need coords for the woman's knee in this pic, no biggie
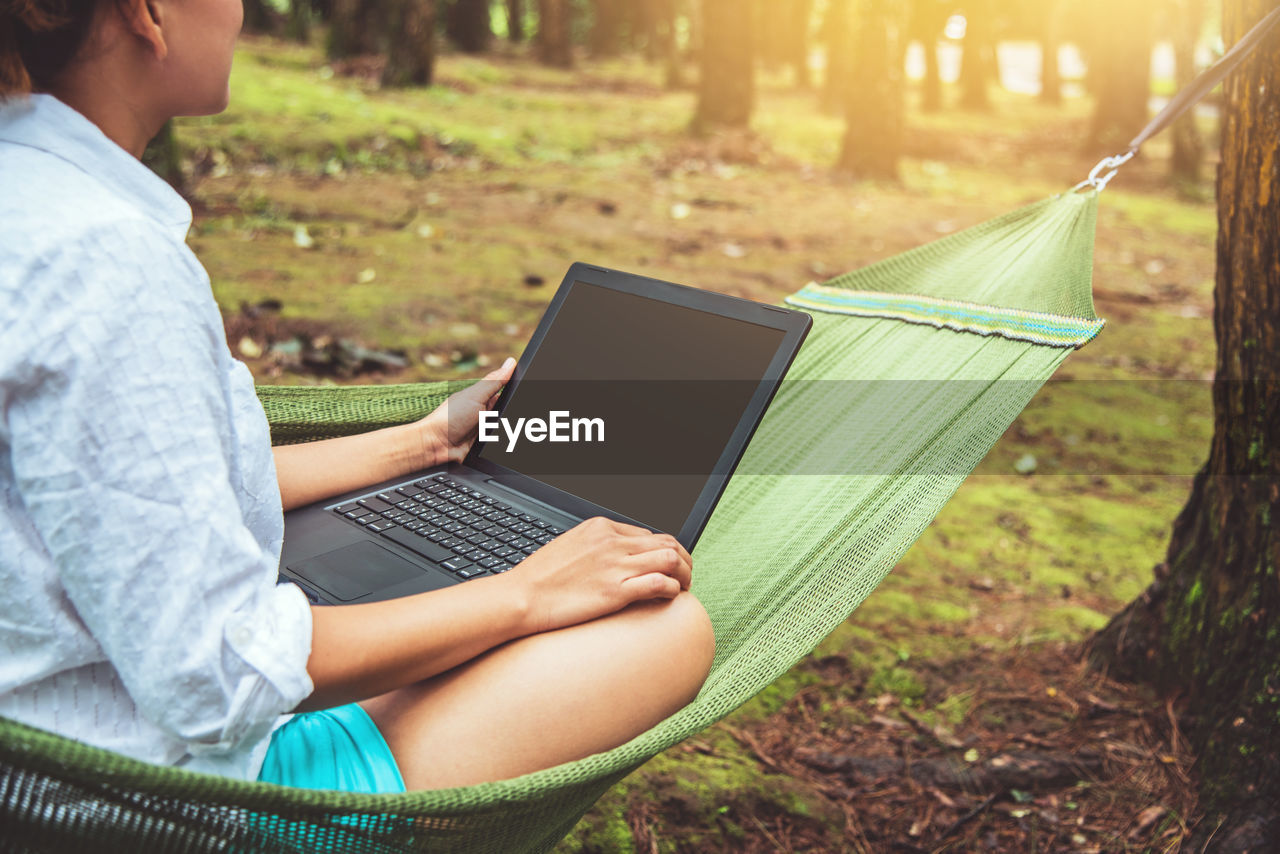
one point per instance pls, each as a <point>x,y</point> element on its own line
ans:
<point>680,633</point>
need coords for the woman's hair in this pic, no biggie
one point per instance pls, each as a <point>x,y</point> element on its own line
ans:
<point>39,39</point>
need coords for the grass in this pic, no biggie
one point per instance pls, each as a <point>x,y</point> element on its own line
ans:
<point>440,221</point>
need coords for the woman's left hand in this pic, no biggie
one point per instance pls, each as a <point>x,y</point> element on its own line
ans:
<point>452,428</point>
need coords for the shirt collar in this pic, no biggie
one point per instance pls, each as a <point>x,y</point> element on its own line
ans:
<point>45,123</point>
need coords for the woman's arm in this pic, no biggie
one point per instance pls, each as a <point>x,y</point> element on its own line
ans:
<point>317,470</point>
<point>594,569</point>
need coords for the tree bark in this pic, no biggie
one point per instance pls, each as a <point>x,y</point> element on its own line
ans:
<point>468,26</point>
<point>411,53</point>
<point>606,28</point>
<point>298,27</point>
<point>1208,628</point>
<point>515,21</point>
<point>1120,68</point>
<point>928,17</point>
<point>257,17</point>
<point>163,156</point>
<point>353,28</point>
<point>873,102</point>
<point>837,36</point>
<point>555,47</point>
<point>977,64</point>
<point>1188,149</point>
<point>1050,74</point>
<point>726,89</point>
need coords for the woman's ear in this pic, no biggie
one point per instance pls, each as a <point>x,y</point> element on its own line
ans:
<point>144,19</point>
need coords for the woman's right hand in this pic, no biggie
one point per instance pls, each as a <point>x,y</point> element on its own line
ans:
<point>596,568</point>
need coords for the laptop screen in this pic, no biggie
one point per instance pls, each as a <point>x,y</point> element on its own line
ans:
<point>637,400</point>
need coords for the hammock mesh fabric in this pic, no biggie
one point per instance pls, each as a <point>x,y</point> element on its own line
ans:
<point>914,368</point>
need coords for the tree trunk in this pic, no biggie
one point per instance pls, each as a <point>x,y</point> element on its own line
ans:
<point>515,21</point>
<point>353,28</point>
<point>1120,67</point>
<point>1209,627</point>
<point>977,63</point>
<point>555,47</point>
<point>606,28</point>
<point>299,25</point>
<point>411,52</point>
<point>163,156</point>
<point>468,26</point>
<point>257,17</point>
<point>1050,74</point>
<point>927,20</point>
<point>799,22</point>
<point>1188,150</point>
<point>726,90</point>
<point>873,103</point>
<point>662,45</point>
<point>837,35</point>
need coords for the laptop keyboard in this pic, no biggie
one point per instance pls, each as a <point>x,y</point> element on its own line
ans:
<point>453,525</point>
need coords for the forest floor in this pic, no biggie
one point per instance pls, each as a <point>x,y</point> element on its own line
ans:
<point>362,236</point>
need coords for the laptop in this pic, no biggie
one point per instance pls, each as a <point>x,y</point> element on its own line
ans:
<point>635,399</point>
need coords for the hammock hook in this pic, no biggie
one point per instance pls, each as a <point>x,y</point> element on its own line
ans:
<point>1113,163</point>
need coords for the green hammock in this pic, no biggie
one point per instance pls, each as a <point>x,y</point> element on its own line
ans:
<point>915,367</point>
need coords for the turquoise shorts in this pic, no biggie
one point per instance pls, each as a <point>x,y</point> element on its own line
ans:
<point>338,748</point>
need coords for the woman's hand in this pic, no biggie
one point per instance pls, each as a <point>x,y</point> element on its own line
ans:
<point>451,429</point>
<point>596,568</point>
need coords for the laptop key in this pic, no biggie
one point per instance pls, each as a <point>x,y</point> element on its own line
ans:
<point>376,505</point>
<point>419,545</point>
<point>489,562</point>
<point>367,518</point>
<point>381,526</point>
<point>346,508</point>
<point>454,564</point>
<point>437,536</point>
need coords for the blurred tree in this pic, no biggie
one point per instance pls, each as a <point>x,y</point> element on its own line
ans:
<point>1050,75</point>
<point>1120,69</point>
<point>299,25</point>
<point>783,27</point>
<point>411,35</point>
<point>660,22</point>
<point>555,33</point>
<point>606,27</point>
<point>928,17</point>
<point>1208,627</point>
<point>353,28</point>
<point>837,38</point>
<point>515,20</point>
<point>467,24</point>
<point>163,156</point>
<point>977,66</point>
<point>1188,150</point>
<point>874,96</point>
<point>726,87</point>
<point>257,16</point>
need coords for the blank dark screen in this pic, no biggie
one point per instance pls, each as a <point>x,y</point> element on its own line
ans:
<point>671,384</point>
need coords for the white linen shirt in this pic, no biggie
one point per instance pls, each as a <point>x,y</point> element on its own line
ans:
<point>141,522</point>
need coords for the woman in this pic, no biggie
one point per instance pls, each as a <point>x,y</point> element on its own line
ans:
<point>142,502</point>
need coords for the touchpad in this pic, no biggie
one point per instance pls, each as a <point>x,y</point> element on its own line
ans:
<point>356,570</point>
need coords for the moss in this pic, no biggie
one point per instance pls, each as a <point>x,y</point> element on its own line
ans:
<point>1195,593</point>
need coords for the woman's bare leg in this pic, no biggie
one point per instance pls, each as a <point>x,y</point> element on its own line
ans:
<point>549,698</point>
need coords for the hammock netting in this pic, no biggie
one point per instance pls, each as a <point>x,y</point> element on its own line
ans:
<point>914,368</point>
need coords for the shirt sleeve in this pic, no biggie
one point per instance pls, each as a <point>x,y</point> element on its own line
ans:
<point>123,441</point>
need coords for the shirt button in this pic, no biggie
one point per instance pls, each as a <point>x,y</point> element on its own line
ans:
<point>241,636</point>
